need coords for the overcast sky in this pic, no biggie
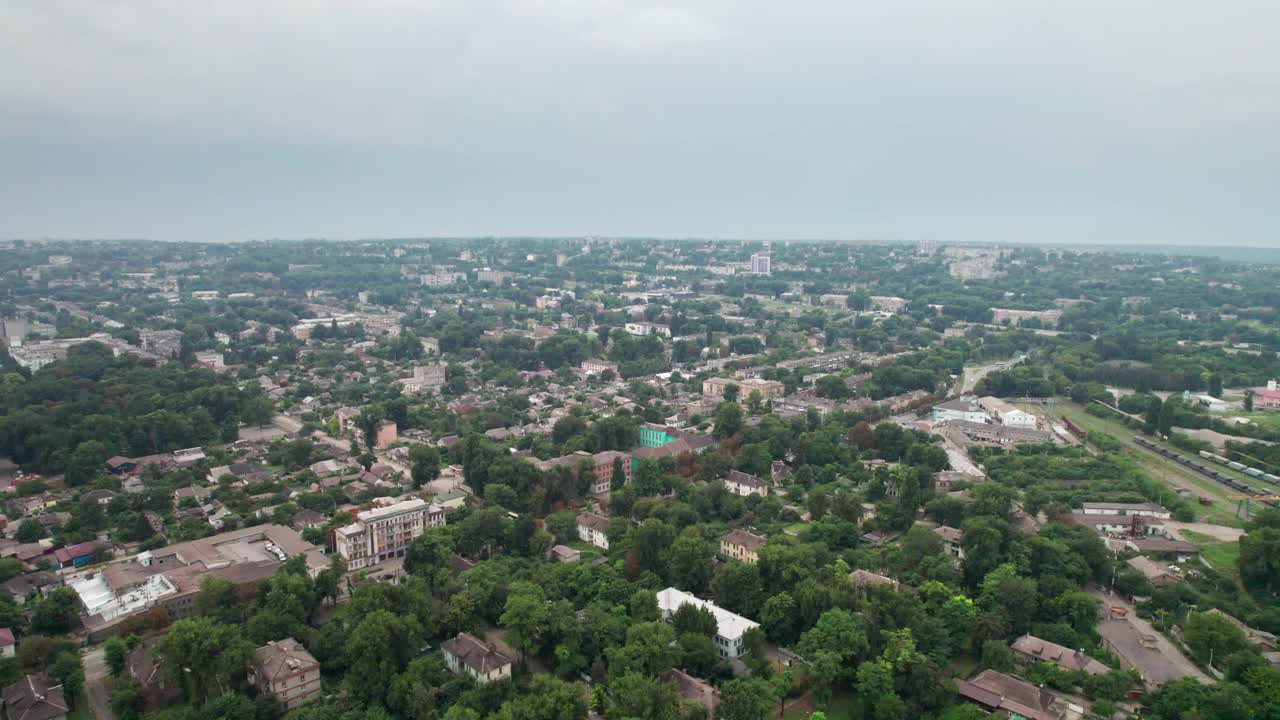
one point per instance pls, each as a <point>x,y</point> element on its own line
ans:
<point>1130,121</point>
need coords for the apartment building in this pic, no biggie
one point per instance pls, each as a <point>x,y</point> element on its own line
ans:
<point>601,466</point>
<point>287,671</point>
<point>385,532</point>
<point>768,389</point>
<point>730,627</point>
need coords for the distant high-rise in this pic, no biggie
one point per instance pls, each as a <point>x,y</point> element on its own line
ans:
<point>760,264</point>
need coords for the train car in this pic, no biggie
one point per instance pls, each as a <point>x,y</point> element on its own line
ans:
<point>1206,454</point>
<point>1235,465</point>
<point>1253,472</point>
<point>1270,478</point>
<point>1074,429</point>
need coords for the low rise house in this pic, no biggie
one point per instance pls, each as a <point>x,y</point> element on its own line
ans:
<point>995,691</point>
<point>1034,649</point>
<point>952,540</point>
<point>863,579</point>
<point>594,529</point>
<point>33,698</point>
<point>1150,510</point>
<point>744,484</point>
<point>285,670</point>
<point>1159,574</point>
<point>8,646</point>
<point>77,555</point>
<point>564,553</point>
<point>466,653</point>
<point>742,545</point>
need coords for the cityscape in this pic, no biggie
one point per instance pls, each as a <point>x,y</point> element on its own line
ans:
<point>639,360</point>
<point>635,478</point>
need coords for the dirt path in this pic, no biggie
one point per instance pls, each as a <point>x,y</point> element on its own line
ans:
<point>95,688</point>
<point>1213,530</point>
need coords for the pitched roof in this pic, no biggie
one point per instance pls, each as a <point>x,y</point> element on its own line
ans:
<point>997,690</point>
<point>1040,649</point>
<point>741,478</point>
<point>281,659</point>
<point>745,539</point>
<point>475,653</point>
<point>31,698</point>
<point>594,522</point>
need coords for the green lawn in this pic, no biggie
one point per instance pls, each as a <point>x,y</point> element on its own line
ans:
<point>1221,555</point>
<point>1222,511</point>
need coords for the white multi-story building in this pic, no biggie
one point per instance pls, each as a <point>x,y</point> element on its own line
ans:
<point>744,484</point>
<point>963,409</point>
<point>729,626</point>
<point>1006,414</point>
<point>594,529</point>
<point>385,532</point>
<point>760,264</point>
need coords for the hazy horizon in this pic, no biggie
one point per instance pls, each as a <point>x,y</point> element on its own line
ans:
<point>1147,123</point>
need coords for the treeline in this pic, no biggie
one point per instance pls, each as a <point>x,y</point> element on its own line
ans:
<point>74,414</point>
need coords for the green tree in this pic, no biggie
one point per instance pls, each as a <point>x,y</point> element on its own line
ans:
<point>691,561</point>
<point>691,618</point>
<point>1212,637</point>
<point>424,464</point>
<point>619,476</point>
<point>548,698</point>
<point>1259,560</point>
<point>642,697</point>
<point>219,601</point>
<point>204,657</point>
<point>837,631</point>
<point>738,588</point>
<point>116,653</point>
<point>728,419</point>
<point>525,618</point>
<point>746,699</point>
<point>379,647</point>
<point>57,612</point>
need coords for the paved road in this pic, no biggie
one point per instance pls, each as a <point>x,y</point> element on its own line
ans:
<point>1141,646</point>
<point>95,689</point>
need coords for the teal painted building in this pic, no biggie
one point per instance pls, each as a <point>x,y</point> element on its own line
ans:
<point>654,437</point>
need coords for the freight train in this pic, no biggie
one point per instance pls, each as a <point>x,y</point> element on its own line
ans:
<point>1208,472</point>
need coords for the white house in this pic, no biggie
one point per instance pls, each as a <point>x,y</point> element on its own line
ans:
<point>594,529</point>
<point>744,484</point>
<point>729,626</point>
<point>477,658</point>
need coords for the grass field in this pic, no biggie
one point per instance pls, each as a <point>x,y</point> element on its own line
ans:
<point>1221,555</point>
<point>1172,474</point>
